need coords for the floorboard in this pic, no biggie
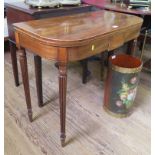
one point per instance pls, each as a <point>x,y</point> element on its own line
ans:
<point>90,130</point>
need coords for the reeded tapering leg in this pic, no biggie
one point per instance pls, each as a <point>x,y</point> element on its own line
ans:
<point>132,47</point>
<point>24,71</point>
<point>62,99</point>
<point>38,75</point>
<point>14,62</point>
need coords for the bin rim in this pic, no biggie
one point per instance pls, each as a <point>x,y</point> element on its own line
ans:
<point>125,69</point>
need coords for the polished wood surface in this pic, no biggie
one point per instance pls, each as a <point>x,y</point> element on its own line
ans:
<point>72,38</point>
<point>77,30</point>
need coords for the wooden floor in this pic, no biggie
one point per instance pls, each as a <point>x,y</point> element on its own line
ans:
<point>90,130</point>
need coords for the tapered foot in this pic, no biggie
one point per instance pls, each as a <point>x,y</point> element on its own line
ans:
<point>16,83</point>
<point>56,65</point>
<point>62,138</point>
<point>63,143</point>
<point>30,115</point>
<point>41,105</point>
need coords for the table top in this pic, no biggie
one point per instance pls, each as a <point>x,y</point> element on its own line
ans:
<point>77,29</point>
<point>118,7</point>
<point>125,9</point>
<point>33,10</point>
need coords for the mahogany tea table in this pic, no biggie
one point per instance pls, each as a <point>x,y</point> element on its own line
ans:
<point>71,38</point>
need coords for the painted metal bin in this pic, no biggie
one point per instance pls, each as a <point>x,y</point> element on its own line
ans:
<point>121,84</point>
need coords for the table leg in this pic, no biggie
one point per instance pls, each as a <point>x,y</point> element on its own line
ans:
<point>110,53</point>
<point>24,71</point>
<point>38,76</point>
<point>85,71</point>
<point>102,65</point>
<point>132,47</point>
<point>107,54</point>
<point>147,65</point>
<point>62,99</point>
<point>14,62</point>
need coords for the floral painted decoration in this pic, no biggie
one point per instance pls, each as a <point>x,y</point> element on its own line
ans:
<point>127,92</point>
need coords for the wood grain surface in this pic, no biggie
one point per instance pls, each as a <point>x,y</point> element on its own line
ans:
<point>90,130</point>
<point>74,30</point>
